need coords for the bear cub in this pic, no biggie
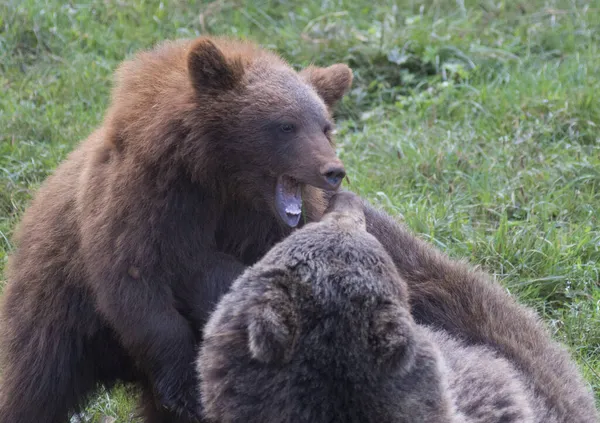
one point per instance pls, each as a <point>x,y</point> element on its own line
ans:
<point>212,150</point>
<point>320,331</point>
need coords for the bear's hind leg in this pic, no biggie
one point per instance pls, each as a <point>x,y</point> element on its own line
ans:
<point>45,376</point>
<point>53,358</point>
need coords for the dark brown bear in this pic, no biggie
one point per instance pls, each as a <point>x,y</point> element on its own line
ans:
<point>212,150</point>
<point>320,331</point>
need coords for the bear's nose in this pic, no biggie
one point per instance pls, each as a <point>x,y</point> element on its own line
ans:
<point>334,174</point>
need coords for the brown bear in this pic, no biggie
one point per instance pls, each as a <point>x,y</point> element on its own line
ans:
<point>211,151</point>
<point>467,304</point>
<point>320,330</point>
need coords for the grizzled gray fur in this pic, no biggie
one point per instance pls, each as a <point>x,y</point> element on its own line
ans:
<point>321,331</point>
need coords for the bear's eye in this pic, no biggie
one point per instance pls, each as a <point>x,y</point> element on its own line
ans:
<point>327,129</point>
<point>287,127</point>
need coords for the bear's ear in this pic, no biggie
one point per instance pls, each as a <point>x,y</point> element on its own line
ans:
<point>210,70</point>
<point>272,328</point>
<point>331,83</point>
<point>392,336</point>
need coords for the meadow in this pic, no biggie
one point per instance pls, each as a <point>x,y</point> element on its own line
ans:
<point>475,121</point>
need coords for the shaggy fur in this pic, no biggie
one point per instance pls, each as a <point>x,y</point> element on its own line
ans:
<point>127,246</point>
<point>320,331</point>
<point>464,302</point>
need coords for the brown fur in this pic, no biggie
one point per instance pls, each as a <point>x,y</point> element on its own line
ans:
<point>320,331</point>
<point>463,301</point>
<point>125,249</point>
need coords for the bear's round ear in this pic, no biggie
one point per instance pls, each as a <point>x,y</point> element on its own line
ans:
<point>331,83</point>
<point>392,336</point>
<point>272,324</point>
<point>271,331</point>
<point>210,70</point>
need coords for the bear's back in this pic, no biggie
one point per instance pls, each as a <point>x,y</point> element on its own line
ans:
<point>484,387</point>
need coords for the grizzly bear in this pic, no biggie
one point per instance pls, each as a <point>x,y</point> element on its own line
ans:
<point>211,151</point>
<point>320,330</point>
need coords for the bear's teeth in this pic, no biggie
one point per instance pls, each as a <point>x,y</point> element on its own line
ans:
<point>293,211</point>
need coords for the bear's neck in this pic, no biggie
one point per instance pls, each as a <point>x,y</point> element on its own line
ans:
<point>241,227</point>
<point>248,233</point>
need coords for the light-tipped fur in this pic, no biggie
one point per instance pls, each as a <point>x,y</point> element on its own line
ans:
<point>320,330</point>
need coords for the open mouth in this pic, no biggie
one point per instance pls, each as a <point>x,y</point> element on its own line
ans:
<point>288,200</point>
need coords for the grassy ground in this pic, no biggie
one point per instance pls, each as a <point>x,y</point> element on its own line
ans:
<point>475,120</point>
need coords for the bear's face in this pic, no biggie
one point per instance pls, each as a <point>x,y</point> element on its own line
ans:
<point>319,331</point>
<point>274,126</point>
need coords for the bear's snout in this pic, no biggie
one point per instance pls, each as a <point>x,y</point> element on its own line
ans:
<point>333,173</point>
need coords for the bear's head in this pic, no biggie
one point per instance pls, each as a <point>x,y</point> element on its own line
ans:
<point>236,117</point>
<point>276,135</point>
<point>320,331</point>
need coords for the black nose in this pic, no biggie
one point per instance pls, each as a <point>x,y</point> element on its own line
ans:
<point>334,175</point>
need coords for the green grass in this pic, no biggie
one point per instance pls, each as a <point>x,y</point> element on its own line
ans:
<point>475,120</point>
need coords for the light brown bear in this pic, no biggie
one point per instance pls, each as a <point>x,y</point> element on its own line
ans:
<point>320,331</point>
<point>211,151</point>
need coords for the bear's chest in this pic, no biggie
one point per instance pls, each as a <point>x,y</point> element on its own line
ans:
<point>247,234</point>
